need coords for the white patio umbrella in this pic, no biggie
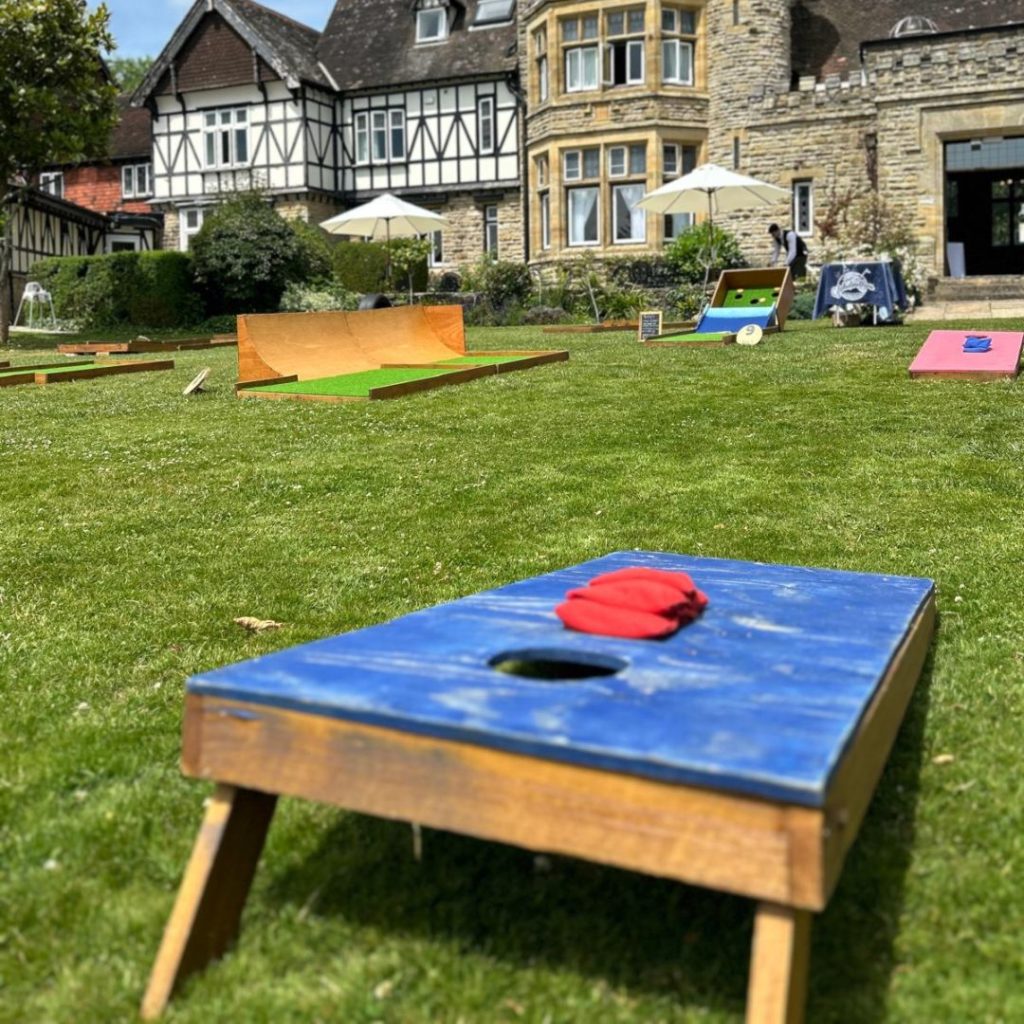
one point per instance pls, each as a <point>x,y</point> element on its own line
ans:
<point>383,217</point>
<point>714,189</point>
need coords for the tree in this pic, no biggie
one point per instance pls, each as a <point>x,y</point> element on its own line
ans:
<point>57,104</point>
<point>129,72</point>
<point>245,254</point>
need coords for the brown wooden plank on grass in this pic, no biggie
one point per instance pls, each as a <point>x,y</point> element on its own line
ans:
<point>62,376</point>
<point>267,382</point>
<point>411,387</point>
<point>733,843</point>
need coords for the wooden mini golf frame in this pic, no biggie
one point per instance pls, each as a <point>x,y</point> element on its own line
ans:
<point>47,373</point>
<point>279,348</point>
<point>762,277</point>
<point>138,346</point>
<point>785,856</point>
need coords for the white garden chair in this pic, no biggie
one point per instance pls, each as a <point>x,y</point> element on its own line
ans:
<point>36,295</point>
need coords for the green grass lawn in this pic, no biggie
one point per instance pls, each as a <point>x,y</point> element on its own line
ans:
<point>137,524</point>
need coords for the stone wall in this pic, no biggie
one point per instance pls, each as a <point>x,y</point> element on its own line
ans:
<point>464,233</point>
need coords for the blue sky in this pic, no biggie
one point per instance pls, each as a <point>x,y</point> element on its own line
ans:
<point>142,27</point>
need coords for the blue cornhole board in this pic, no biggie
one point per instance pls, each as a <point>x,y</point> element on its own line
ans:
<point>760,696</point>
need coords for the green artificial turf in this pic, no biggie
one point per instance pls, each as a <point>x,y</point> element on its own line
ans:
<point>352,385</point>
<point>137,524</point>
<point>56,368</point>
<point>686,336</point>
<point>757,297</point>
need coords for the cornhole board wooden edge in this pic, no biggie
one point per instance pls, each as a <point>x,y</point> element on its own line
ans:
<point>63,375</point>
<point>920,368</point>
<point>785,856</point>
<point>4,364</point>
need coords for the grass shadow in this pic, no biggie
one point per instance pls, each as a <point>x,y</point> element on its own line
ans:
<point>644,935</point>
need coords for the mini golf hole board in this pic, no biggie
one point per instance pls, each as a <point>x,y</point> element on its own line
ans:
<point>740,754</point>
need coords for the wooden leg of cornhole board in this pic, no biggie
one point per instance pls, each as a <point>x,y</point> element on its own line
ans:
<point>208,908</point>
<point>777,992</point>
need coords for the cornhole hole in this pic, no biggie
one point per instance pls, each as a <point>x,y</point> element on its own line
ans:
<point>739,754</point>
<point>139,345</point>
<point>368,354</point>
<point>943,355</point>
<point>757,297</point>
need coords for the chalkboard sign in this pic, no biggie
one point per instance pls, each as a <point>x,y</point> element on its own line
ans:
<point>649,325</point>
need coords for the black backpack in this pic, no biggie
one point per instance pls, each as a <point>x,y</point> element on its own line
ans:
<point>801,247</point>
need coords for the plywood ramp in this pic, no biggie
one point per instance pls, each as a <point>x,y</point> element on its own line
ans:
<point>312,345</point>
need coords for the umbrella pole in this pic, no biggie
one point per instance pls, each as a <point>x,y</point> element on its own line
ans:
<point>711,244</point>
<point>387,249</point>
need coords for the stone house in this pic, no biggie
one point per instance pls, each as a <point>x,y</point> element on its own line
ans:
<point>415,98</point>
<point>536,125</point>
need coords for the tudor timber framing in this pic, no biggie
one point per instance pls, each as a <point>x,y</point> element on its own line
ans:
<point>442,146</point>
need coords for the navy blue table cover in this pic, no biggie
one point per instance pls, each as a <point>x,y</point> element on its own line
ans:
<point>760,695</point>
<point>880,284</point>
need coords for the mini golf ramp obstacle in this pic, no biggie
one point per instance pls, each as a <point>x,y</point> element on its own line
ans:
<point>762,296</point>
<point>367,354</point>
<point>943,355</point>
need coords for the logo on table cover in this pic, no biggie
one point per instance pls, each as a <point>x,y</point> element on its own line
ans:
<point>852,286</point>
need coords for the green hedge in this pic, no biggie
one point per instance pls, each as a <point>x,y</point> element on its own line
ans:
<point>147,289</point>
<point>362,267</point>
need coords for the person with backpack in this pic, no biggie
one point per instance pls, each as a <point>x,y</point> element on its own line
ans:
<point>793,247</point>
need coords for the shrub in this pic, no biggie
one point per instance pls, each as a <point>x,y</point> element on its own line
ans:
<point>803,305</point>
<point>642,271</point>
<point>688,254</point>
<point>545,315</point>
<point>360,266</point>
<point>499,282</point>
<point>316,252</point>
<point>684,302</point>
<point>164,294</point>
<point>245,254</point>
<point>150,289</point>
<point>317,298</point>
<point>409,264</point>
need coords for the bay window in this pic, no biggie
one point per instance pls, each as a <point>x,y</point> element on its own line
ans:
<point>629,220</point>
<point>679,37</point>
<point>624,51</point>
<point>226,137</point>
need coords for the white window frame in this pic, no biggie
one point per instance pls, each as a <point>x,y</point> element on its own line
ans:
<point>578,155</point>
<point>545,220</point>
<point>805,230</point>
<point>486,133</point>
<point>677,151</point>
<point>597,214</point>
<point>574,61</point>
<point>225,124</point>
<point>52,183</point>
<point>631,240</point>
<point>635,46</point>
<point>131,174</point>
<point>670,235</point>
<point>379,133</point>
<point>491,229</point>
<point>678,46</point>
<point>426,15</point>
<point>543,86</point>
<point>622,152</point>
<point>361,135</point>
<point>396,128</point>
<point>435,258</point>
<point>185,233</point>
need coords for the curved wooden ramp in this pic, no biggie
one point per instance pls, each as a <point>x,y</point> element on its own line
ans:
<point>312,345</point>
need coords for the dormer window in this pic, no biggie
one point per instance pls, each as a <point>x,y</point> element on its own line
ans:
<point>431,24</point>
